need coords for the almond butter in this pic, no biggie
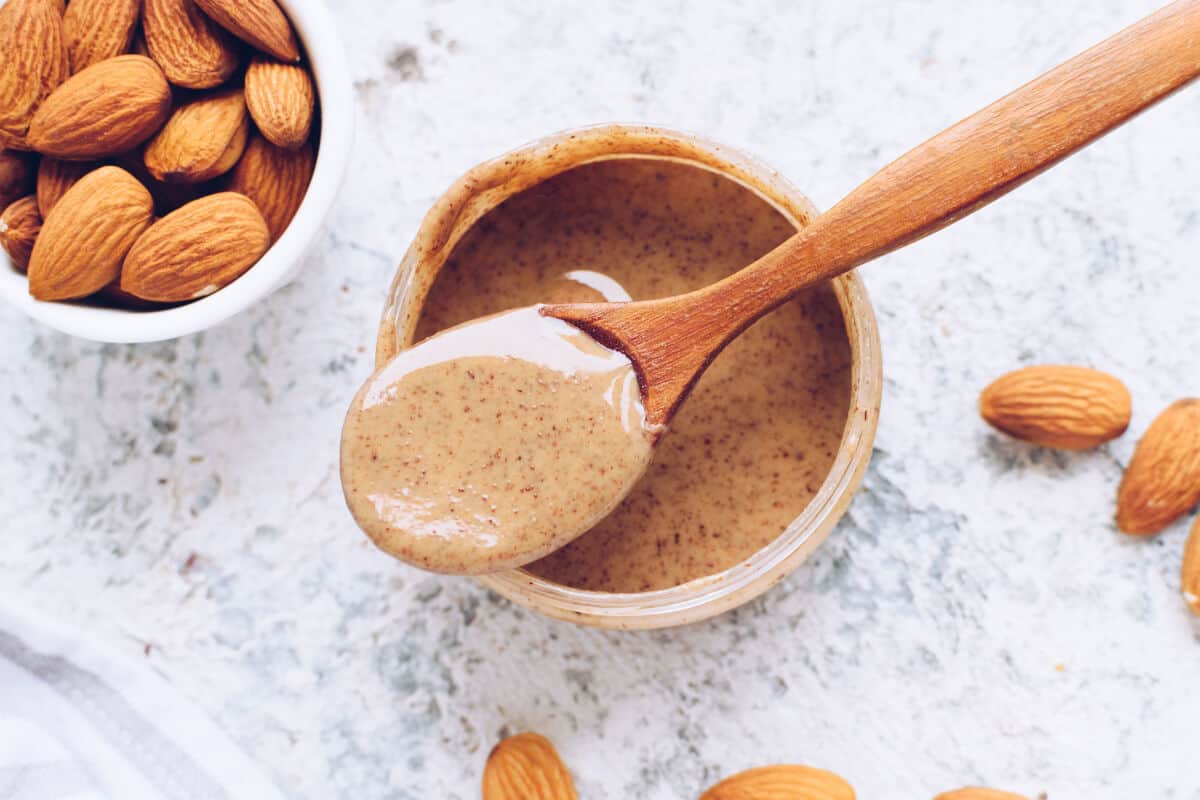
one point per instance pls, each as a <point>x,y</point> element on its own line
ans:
<point>88,234</point>
<point>259,23</point>
<point>17,172</point>
<point>1064,407</point>
<point>55,177</point>
<point>976,793</point>
<point>104,110</point>
<point>20,224</point>
<point>782,782</point>
<point>192,50</point>
<point>96,30</point>
<point>275,179</point>
<point>201,140</point>
<point>1190,581</point>
<point>33,63</point>
<point>526,767</point>
<point>281,100</point>
<point>196,250</point>
<point>1162,482</point>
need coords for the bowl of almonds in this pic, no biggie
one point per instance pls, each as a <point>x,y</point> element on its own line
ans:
<point>164,164</point>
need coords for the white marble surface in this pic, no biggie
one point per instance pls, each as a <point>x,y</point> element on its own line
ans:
<point>976,618</point>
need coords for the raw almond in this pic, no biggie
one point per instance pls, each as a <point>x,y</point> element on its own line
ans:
<point>87,235</point>
<point>526,767</point>
<point>20,224</point>
<point>201,140</point>
<point>196,250</point>
<point>17,172</point>
<point>96,30</point>
<point>33,63</point>
<point>55,177</point>
<point>1070,408</point>
<point>104,110</point>
<point>783,782</point>
<point>192,50</point>
<point>976,793</point>
<point>1162,482</point>
<point>281,100</point>
<point>1191,570</point>
<point>275,179</point>
<point>259,23</point>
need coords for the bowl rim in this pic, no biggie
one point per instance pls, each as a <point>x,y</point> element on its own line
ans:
<point>708,596</point>
<point>314,24</point>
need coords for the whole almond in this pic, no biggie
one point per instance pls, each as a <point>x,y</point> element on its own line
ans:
<point>17,172</point>
<point>88,234</point>
<point>976,793</point>
<point>20,224</point>
<point>1190,582</point>
<point>1069,408</point>
<point>104,110</point>
<point>33,63</point>
<point>55,177</point>
<point>201,140</point>
<point>196,250</point>
<point>526,767</point>
<point>782,782</point>
<point>192,50</point>
<point>275,179</point>
<point>281,100</point>
<point>96,30</point>
<point>1162,482</point>
<point>259,23</point>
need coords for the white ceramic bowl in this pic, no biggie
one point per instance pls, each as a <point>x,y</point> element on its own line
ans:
<point>315,27</point>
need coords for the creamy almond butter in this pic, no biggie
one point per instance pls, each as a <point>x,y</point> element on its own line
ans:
<point>751,446</point>
<point>492,444</point>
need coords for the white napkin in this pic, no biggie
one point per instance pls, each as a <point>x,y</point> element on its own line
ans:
<point>78,722</point>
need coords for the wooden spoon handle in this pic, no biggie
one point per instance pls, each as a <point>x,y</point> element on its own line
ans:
<point>978,160</point>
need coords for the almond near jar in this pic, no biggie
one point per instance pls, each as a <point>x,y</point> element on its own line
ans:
<point>763,459</point>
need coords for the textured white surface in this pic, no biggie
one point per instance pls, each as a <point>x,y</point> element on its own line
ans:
<point>975,619</point>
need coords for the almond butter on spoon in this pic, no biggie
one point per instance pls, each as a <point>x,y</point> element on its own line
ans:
<point>474,452</point>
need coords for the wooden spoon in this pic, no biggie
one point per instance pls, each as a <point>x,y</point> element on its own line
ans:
<point>671,341</point>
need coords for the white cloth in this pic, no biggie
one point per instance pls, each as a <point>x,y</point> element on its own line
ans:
<point>78,722</point>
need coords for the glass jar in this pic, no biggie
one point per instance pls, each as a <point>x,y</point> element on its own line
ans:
<point>488,185</point>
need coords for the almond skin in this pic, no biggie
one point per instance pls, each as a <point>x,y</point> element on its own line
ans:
<point>1063,407</point>
<point>17,171</point>
<point>55,177</point>
<point>192,50</point>
<point>782,782</point>
<point>281,100</point>
<point>275,179</point>
<point>87,235</point>
<point>1190,582</point>
<point>102,111</point>
<point>20,224</point>
<point>96,30</point>
<point>196,250</point>
<point>976,793</point>
<point>526,767</point>
<point>259,23</point>
<point>33,63</point>
<point>202,139</point>
<point>1162,482</point>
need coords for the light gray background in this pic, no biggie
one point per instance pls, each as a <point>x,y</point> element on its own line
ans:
<point>976,618</point>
